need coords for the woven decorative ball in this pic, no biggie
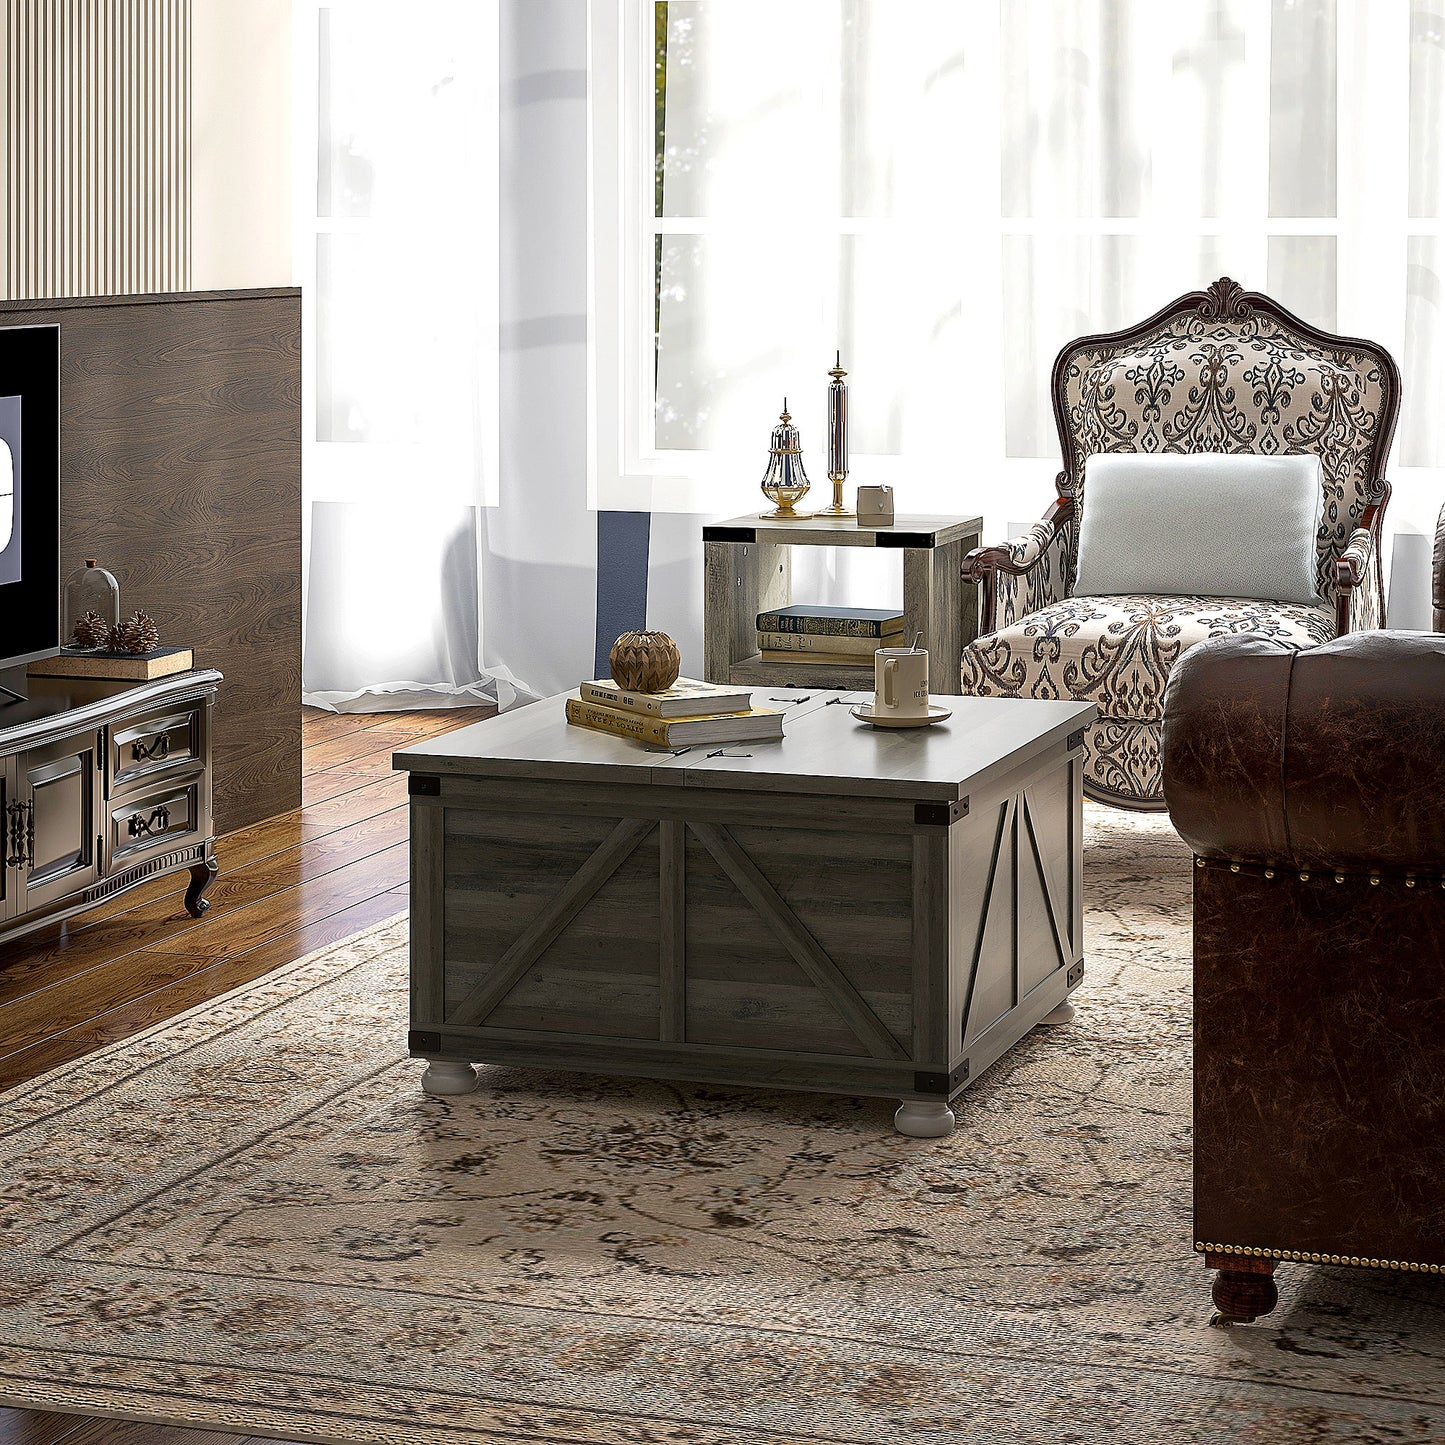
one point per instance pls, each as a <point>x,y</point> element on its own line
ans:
<point>645,661</point>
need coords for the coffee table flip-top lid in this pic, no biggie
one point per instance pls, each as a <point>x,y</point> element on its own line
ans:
<point>824,749</point>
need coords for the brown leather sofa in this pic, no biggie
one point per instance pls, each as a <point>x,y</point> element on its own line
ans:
<point>1311,786</point>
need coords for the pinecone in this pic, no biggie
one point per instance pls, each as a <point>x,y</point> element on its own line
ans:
<point>137,634</point>
<point>92,630</point>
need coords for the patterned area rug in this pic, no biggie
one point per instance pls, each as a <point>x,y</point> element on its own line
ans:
<point>251,1218</point>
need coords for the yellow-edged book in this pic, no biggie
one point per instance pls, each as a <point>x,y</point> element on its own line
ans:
<point>833,646</point>
<point>685,698</point>
<point>818,659</point>
<point>756,725</point>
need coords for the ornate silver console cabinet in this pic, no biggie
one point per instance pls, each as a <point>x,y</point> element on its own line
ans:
<point>103,785</point>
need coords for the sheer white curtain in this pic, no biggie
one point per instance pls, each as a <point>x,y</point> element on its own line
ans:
<point>442,241</point>
<point>398,252</point>
<point>950,192</point>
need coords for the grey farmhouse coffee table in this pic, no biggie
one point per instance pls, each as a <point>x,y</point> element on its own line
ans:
<point>848,910</point>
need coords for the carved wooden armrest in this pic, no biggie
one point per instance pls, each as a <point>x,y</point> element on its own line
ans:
<point>1350,565</point>
<point>1357,574</point>
<point>1015,559</point>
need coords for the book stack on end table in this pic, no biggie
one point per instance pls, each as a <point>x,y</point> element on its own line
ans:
<point>827,636</point>
<point>688,714</point>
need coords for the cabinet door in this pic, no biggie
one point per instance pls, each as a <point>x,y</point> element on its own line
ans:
<point>55,792</point>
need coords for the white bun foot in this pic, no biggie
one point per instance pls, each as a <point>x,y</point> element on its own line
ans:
<point>447,1076</point>
<point>1064,1014</point>
<point>920,1120</point>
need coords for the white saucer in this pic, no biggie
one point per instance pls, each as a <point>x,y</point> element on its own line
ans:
<point>864,713</point>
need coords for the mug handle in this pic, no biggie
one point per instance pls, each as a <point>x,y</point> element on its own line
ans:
<point>890,673</point>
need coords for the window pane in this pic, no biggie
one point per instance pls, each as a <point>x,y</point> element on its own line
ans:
<point>1422,437</point>
<point>1126,108</point>
<point>743,115</point>
<point>395,373</point>
<point>1427,107</point>
<point>397,108</point>
<point>1302,115</point>
<point>1302,275</point>
<point>813,107</point>
<point>747,320</point>
<point>1057,288</point>
<point>734,312</point>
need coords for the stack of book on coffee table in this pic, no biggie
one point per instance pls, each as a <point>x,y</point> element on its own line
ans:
<point>828,635</point>
<point>686,715</point>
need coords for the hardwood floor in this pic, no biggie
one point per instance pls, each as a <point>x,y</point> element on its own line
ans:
<point>288,885</point>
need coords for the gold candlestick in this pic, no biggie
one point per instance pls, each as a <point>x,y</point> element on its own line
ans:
<point>837,440</point>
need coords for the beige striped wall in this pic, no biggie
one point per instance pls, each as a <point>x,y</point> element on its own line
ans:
<point>98,147</point>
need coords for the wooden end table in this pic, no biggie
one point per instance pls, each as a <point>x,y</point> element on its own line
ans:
<point>848,910</point>
<point>748,570</point>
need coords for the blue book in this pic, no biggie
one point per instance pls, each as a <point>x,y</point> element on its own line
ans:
<point>832,621</point>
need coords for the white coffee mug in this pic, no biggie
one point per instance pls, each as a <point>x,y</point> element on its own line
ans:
<point>900,681</point>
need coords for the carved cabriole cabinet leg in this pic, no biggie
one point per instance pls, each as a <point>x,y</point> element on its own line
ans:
<point>448,1076</point>
<point>202,876</point>
<point>1244,1288</point>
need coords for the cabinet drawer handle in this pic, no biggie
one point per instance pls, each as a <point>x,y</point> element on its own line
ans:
<point>141,827</point>
<point>20,842</point>
<point>158,748</point>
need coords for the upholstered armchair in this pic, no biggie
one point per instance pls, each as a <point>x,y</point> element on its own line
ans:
<point>1222,370</point>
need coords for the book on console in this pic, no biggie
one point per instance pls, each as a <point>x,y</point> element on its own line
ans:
<point>756,725</point>
<point>859,648</point>
<point>685,698</point>
<point>832,621</point>
<point>818,659</point>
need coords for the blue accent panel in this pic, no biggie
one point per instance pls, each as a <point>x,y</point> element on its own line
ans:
<point>623,539</point>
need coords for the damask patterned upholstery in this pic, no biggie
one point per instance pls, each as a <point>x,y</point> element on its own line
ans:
<point>1221,370</point>
<point>1438,576</point>
<point>1116,652</point>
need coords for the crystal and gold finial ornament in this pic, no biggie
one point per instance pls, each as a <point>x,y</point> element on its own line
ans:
<point>785,483</point>
<point>837,440</point>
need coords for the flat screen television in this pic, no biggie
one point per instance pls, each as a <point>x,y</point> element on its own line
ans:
<point>29,493</point>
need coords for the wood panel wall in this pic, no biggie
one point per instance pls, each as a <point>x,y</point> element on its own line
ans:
<point>181,472</point>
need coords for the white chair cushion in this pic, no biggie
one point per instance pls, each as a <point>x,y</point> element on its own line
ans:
<point>1205,524</point>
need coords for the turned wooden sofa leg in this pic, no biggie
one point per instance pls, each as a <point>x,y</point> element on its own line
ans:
<point>1243,1289</point>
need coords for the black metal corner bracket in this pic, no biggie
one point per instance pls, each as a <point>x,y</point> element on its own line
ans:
<point>939,815</point>
<point>925,1082</point>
